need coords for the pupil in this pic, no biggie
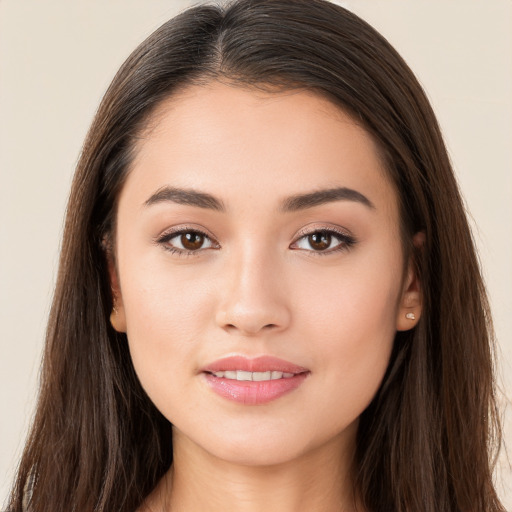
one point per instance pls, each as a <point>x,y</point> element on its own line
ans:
<point>320,241</point>
<point>192,241</point>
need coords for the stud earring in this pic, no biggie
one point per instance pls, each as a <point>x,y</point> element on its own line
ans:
<point>410,316</point>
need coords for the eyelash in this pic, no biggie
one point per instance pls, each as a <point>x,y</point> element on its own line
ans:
<point>346,241</point>
<point>164,239</point>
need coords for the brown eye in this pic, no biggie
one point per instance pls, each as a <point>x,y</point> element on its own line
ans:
<point>324,242</point>
<point>320,240</point>
<point>191,240</point>
<point>186,241</point>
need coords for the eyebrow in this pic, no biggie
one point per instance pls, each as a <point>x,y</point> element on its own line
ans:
<point>309,200</point>
<point>293,203</point>
<point>186,196</point>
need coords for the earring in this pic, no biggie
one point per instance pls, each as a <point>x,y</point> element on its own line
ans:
<point>410,316</point>
<point>113,315</point>
<point>117,316</point>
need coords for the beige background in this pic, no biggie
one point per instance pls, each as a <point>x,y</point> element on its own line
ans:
<point>56,60</point>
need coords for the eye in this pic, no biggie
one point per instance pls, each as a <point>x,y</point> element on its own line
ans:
<point>324,241</point>
<point>186,241</point>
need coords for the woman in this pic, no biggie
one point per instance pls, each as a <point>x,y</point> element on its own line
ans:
<point>268,294</point>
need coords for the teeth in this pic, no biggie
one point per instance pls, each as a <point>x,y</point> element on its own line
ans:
<point>252,376</point>
<point>241,375</point>
<point>261,376</point>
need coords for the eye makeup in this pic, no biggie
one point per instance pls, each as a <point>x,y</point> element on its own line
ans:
<point>321,238</point>
<point>191,239</point>
<point>194,241</point>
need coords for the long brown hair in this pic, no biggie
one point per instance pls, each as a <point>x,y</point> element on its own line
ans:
<point>426,442</point>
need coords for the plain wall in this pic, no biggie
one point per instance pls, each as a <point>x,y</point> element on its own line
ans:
<point>56,60</point>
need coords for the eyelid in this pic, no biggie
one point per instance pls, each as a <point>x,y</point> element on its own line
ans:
<point>308,230</point>
<point>347,240</point>
<point>184,228</point>
<point>170,233</point>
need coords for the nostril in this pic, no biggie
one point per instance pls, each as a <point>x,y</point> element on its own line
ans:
<point>249,319</point>
<point>250,329</point>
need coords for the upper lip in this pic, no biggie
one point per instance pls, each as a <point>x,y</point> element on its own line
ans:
<point>257,364</point>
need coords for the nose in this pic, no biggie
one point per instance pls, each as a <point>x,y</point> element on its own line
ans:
<point>253,299</point>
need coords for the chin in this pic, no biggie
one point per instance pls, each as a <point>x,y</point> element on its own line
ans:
<point>266,446</point>
<point>253,456</point>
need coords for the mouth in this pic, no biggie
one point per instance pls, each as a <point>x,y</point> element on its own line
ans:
<point>242,375</point>
<point>253,381</point>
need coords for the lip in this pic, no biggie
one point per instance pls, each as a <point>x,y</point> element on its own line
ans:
<point>253,392</point>
<point>257,364</point>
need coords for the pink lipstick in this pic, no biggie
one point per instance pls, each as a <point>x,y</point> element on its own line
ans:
<point>253,381</point>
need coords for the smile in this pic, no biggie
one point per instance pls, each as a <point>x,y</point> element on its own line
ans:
<point>253,376</point>
<point>253,381</point>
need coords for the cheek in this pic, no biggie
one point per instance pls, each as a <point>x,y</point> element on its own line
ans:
<point>356,301</point>
<point>163,300</point>
<point>167,314</point>
<point>350,320</point>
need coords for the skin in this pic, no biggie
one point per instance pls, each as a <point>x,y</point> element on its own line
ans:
<point>257,286</point>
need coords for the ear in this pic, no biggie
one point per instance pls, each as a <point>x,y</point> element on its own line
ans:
<point>410,307</point>
<point>117,317</point>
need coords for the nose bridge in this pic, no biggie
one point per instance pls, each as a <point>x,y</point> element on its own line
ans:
<point>253,299</point>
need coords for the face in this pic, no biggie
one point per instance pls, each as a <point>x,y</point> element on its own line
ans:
<point>259,271</point>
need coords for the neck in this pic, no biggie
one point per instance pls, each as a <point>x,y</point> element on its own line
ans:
<point>319,480</point>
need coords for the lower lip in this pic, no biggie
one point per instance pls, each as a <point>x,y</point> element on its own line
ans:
<point>251,392</point>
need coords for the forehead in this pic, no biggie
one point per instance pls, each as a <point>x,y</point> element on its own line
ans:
<point>257,145</point>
